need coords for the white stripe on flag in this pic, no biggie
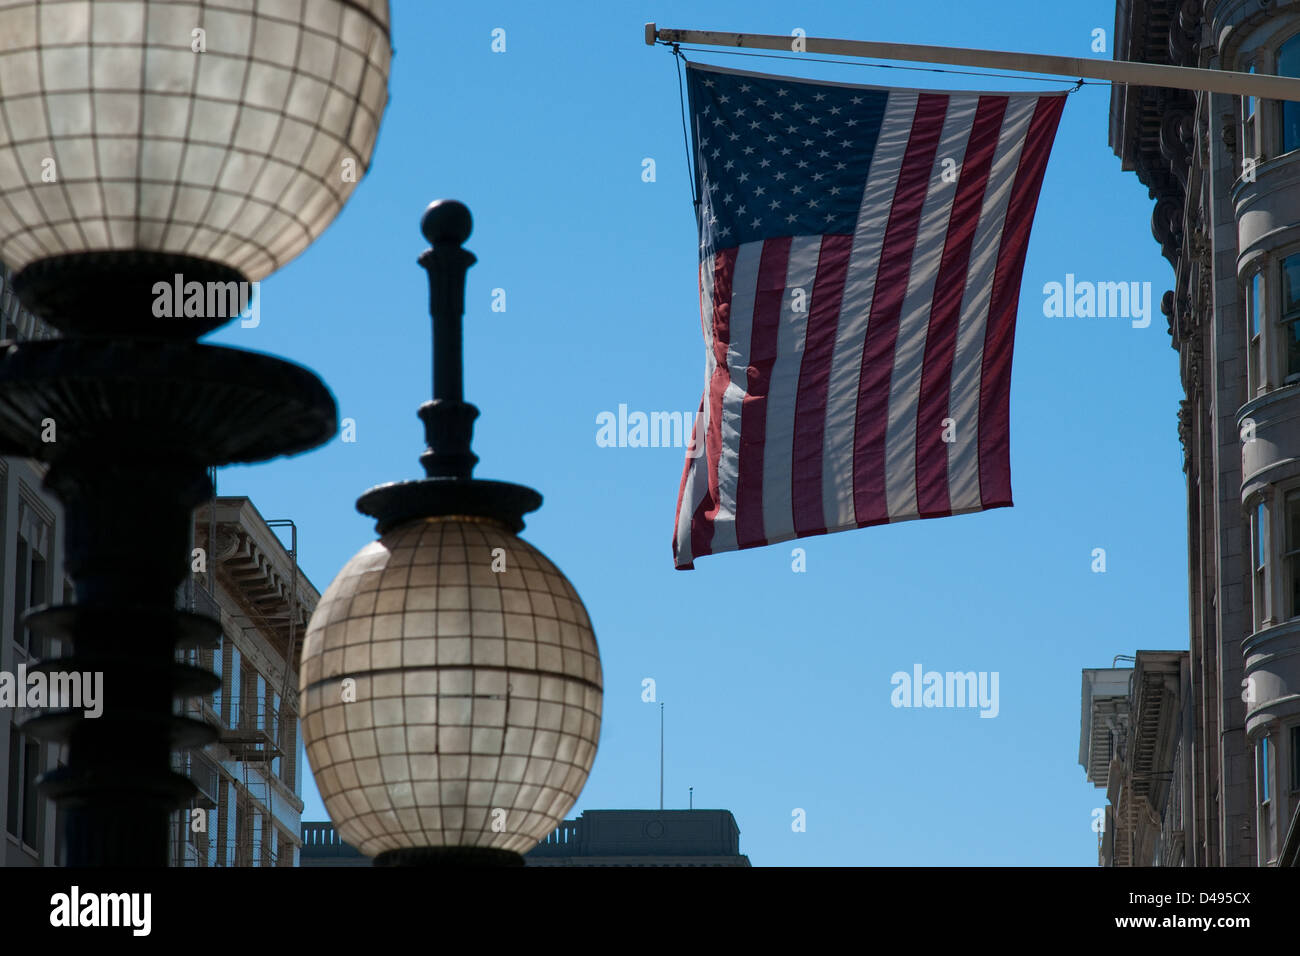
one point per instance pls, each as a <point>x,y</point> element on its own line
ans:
<point>783,388</point>
<point>914,320</point>
<point>855,310</point>
<point>744,286</point>
<point>964,400</point>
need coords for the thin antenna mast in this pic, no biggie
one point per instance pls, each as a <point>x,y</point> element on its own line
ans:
<point>661,755</point>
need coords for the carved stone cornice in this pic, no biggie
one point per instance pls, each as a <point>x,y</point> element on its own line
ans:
<point>1194,354</point>
<point>1153,131</point>
<point>1167,225</point>
<point>1184,33</point>
<point>1177,139</point>
<point>1199,246</point>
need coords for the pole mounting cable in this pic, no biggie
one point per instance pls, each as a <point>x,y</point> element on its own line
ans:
<point>686,140</point>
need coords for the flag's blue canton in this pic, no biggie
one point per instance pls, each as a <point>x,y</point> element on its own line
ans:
<point>779,157</point>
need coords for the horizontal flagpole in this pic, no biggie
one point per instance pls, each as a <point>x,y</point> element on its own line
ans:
<point>1114,71</point>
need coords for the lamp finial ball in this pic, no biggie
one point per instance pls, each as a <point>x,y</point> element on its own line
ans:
<point>446,220</point>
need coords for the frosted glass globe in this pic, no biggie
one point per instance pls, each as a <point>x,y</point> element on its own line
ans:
<point>450,691</point>
<point>232,132</point>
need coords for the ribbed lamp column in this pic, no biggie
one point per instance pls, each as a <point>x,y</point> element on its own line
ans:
<point>148,146</point>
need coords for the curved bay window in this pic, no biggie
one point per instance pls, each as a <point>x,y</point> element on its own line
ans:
<point>1259,565</point>
<point>1275,600</point>
<point>1270,127</point>
<point>1290,316</point>
<point>1291,555</point>
<point>1254,334</point>
<point>1271,304</point>
<point>1264,792</point>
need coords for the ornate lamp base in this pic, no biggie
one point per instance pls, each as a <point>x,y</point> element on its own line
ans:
<point>124,292</point>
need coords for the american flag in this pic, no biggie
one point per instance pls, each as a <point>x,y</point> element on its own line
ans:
<point>861,250</point>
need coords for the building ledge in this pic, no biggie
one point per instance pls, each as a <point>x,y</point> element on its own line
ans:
<point>1287,631</point>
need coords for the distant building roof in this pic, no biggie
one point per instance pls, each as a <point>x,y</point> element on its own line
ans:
<point>1104,719</point>
<point>596,838</point>
<point>643,838</point>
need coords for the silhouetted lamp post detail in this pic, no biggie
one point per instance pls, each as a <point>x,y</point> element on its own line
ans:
<point>451,683</point>
<point>147,145</point>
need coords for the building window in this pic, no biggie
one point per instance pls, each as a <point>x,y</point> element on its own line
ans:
<point>60,853</point>
<point>1291,557</point>
<point>1288,64</point>
<point>1254,313</point>
<point>31,574</point>
<point>277,763</point>
<point>1259,563</point>
<point>1264,783</point>
<point>1263,778</point>
<point>1290,316</point>
<point>256,847</point>
<point>259,716</point>
<point>230,826</point>
<point>289,730</point>
<point>249,707</point>
<point>14,803</point>
<point>24,816</point>
<point>1295,757</point>
<point>21,570</point>
<point>1249,144</point>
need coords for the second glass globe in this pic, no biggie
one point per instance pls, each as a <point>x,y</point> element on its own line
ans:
<point>451,691</point>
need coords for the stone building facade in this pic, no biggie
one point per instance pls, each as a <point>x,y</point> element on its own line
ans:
<point>1224,172</point>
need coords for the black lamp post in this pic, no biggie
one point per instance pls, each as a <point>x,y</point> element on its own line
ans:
<point>451,685</point>
<point>159,144</point>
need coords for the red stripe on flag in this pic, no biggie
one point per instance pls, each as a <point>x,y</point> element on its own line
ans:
<point>814,383</point>
<point>932,499</point>
<point>869,501</point>
<point>768,296</point>
<point>724,269</point>
<point>1000,332</point>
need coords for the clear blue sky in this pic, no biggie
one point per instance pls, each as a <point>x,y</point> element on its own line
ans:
<point>777,684</point>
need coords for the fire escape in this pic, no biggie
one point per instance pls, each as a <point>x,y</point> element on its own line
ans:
<point>254,733</point>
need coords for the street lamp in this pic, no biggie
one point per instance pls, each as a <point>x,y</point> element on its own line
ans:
<point>146,146</point>
<point>450,682</point>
